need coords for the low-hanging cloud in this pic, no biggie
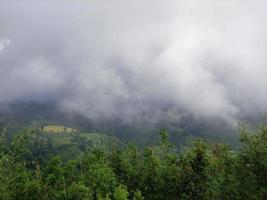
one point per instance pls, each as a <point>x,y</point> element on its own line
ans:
<point>137,59</point>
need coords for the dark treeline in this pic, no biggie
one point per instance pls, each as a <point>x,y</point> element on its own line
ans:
<point>200,171</point>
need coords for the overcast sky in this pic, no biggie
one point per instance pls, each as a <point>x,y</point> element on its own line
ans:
<point>129,59</point>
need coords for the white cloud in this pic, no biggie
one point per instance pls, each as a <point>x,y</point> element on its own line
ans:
<point>3,44</point>
<point>132,59</point>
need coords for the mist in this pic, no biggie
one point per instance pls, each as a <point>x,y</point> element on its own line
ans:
<point>137,60</point>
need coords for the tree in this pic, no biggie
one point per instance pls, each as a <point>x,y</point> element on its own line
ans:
<point>138,195</point>
<point>121,193</point>
<point>252,163</point>
<point>78,191</point>
<point>194,174</point>
<point>98,175</point>
<point>54,180</point>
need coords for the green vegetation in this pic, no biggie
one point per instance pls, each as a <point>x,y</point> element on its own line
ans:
<point>68,146</point>
<point>23,115</point>
<point>200,171</point>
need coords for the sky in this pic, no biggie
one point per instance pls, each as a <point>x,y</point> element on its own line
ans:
<point>147,60</point>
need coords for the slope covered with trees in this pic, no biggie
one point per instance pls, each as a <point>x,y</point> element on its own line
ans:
<point>21,115</point>
<point>200,170</point>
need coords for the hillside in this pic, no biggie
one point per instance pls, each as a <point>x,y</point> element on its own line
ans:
<point>45,143</point>
<point>20,115</point>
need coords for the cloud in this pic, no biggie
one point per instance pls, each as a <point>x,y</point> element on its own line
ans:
<point>3,44</point>
<point>137,60</point>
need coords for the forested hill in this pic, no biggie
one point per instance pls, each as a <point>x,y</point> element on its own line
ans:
<point>19,115</point>
<point>199,171</point>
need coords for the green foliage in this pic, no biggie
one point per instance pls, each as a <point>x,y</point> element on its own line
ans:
<point>200,171</point>
<point>121,193</point>
<point>78,191</point>
<point>252,163</point>
<point>138,195</point>
<point>98,175</point>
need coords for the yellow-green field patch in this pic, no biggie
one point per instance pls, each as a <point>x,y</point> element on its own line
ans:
<point>58,129</point>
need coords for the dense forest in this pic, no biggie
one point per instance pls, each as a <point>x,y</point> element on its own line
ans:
<point>31,168</point>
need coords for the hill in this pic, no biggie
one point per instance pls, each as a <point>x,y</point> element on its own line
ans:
<point>20,115</point>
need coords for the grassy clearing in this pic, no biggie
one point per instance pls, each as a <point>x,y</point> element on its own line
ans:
<point>58,129</point>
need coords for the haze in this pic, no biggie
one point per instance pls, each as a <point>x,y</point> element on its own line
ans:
<point>137,59</point>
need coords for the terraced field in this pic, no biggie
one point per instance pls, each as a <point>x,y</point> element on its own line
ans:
<point>58,129</point>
